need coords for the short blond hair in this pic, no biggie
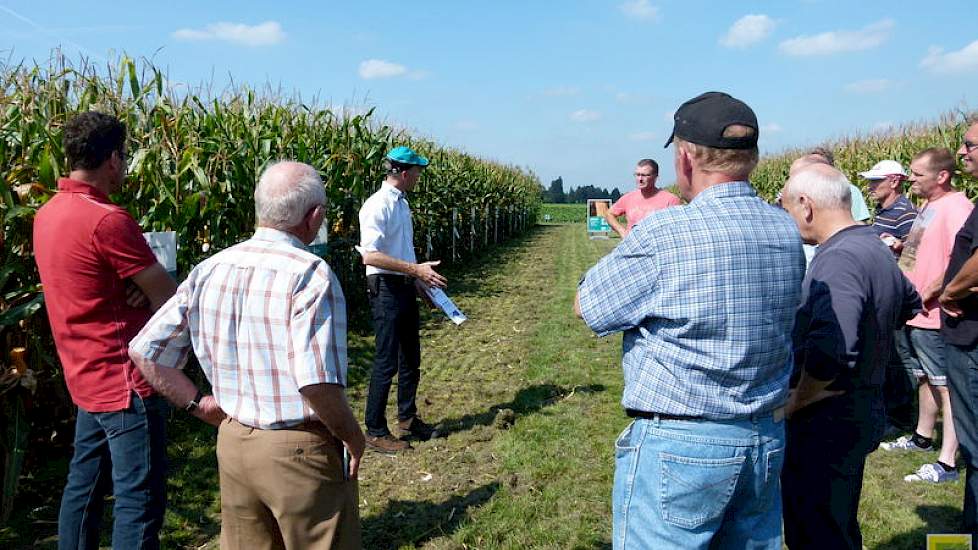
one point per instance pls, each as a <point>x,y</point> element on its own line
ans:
<point>727,161</point>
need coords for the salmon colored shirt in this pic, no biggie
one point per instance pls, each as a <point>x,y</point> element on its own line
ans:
<point>634,206</point>
<point>927,250</point>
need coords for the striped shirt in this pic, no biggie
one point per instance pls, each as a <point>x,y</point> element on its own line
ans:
<point>264,318</point>
<point>706,295</point>
<point>896,219</point>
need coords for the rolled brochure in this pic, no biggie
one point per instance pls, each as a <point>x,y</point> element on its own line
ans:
<point>440,299</point>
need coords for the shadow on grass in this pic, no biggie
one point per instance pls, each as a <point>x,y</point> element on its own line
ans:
<point>527,401</point>
<point>937,519</point>
<point>414,523</point>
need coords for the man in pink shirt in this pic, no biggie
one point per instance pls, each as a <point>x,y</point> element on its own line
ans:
<point>925,256</point>
<point>637,204</point>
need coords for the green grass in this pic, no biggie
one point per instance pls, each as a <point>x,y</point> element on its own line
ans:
<point>528,398</point>
<point>562,213</point>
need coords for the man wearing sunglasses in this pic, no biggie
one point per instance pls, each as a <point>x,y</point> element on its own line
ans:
<point>960,330</point>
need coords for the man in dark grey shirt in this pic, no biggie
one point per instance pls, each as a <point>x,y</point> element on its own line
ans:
<point>853,298</point>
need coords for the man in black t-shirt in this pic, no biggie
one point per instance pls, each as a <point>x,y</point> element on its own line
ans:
<point>959,302</point>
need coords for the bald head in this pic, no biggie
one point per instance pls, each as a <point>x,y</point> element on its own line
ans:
<point>286,192</point>
<point>823,184</point>
<point>807,160</point>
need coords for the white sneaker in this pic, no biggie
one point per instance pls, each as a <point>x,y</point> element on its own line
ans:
<point>904,443</point>
<point>933,473</point>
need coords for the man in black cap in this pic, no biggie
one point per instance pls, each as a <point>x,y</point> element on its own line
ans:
<point>705,295</point>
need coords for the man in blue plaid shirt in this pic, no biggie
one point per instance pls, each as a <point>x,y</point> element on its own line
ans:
<point>705,295</point>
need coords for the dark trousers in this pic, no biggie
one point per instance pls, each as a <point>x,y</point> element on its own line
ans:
<point>825,455</point>
<point>962,381</point>
<point>394,309</point>
<point>122,453</point>
<point>899,391</point>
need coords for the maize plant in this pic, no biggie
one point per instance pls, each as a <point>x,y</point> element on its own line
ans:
<point>194,162</point>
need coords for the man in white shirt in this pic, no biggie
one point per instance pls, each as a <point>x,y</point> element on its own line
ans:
<point>394,280</point>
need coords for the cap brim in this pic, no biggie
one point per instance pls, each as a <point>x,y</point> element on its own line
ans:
<point>669,141</point>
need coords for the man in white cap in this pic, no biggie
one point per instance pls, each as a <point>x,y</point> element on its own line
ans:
<point>894,212</point>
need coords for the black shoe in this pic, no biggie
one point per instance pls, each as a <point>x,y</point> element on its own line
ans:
<point>415,428</point>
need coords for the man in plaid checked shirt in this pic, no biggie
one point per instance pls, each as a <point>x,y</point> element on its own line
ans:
<point>706,295</point>
<point>267,320</point>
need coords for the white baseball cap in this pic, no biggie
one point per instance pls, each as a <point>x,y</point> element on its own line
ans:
<point>882,169</point>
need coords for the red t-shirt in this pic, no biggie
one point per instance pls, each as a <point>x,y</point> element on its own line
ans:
<point>635,207</point>
<point>85,248</point>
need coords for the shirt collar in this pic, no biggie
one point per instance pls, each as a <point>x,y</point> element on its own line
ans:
<point>68,185</point>
<point>277,236</point>
<point>725,190</point>
<point>397,193</point>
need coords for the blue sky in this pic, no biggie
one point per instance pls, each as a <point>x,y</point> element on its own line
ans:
<point>577,89</point>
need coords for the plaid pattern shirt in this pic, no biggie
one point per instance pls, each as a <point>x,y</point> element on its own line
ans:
<point>706,295</point>
<point>265,318</point>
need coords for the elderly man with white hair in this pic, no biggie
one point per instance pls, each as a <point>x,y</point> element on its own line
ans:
<point>267,321</point>
<point>853,298</point>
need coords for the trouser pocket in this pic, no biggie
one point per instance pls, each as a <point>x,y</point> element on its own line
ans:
<point>696,490</point>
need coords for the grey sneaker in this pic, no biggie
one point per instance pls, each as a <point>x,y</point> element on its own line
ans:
<point>933,473</point>
<point>904,443</point>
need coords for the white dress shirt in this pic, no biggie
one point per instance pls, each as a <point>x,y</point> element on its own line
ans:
<point>385,227</point>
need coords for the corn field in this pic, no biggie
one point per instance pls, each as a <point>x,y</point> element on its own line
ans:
<point>194,161</point>
<point>858,153</point>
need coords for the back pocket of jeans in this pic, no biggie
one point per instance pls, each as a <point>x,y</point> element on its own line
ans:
<point>696,490</point>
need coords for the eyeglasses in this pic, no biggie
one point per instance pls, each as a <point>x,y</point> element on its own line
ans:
<point>969,146</point>
<point>637,175</point>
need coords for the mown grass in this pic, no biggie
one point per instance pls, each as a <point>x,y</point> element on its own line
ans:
<point>528,398</point>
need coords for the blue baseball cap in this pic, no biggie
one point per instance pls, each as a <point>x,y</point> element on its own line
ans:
<point>405,155</point>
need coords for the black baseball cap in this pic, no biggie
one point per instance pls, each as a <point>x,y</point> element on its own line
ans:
<point>703,119</point>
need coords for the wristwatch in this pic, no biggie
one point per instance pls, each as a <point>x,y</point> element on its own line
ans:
<point>195,402</point>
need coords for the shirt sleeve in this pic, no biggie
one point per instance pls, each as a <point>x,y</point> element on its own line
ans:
<point>618,209</point>
<point>834,306</point>
<point>373,220</point>
<point>317,331</point>
<point>673,200</point>
<point>165,339</point>
<point>860,212</point>
<point>616,294</point>
<point>120,241</point>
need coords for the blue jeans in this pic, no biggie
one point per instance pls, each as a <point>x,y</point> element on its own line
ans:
<point>698,484</point>
<point>962,378</point>
<point>121,453</point>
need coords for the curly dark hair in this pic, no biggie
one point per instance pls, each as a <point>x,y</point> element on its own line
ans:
<point>90,138</point>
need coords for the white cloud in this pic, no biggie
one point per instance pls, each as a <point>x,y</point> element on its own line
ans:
<point>585,115</point>
<point>378,68</point>
<point>562,91</point>
<point>963,60</point>
<point>871,86</point>
<point>640,9</point>
<point>748,30</point>
<point>833,42</point>
<point>771,128</point>
<point>263,34</point>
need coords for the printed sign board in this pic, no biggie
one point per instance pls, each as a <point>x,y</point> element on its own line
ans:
<point>597,225</point>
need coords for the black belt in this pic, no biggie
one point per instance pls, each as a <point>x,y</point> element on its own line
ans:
<point>392,279</point>
<point>635,413</point>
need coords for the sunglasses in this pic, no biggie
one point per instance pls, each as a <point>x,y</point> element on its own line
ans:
<point>969,146</point>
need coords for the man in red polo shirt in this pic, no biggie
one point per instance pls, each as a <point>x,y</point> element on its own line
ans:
<point>88,252</point>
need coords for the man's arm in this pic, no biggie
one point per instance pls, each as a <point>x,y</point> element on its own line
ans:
<point>577,304</point>
<point>423,271</point>
<point>330,405</point>
<point>961,286</point>
<point>615,224</point>
<point>156,284</point>
<point>178,389</point>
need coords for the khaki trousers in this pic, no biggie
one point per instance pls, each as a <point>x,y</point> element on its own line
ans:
<point>284,489</point>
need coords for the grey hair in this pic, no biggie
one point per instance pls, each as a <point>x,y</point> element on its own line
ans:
<point>826,186</point>
<point>285,193</point>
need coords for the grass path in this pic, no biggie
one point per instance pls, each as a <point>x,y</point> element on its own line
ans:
<point>528,398</point>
